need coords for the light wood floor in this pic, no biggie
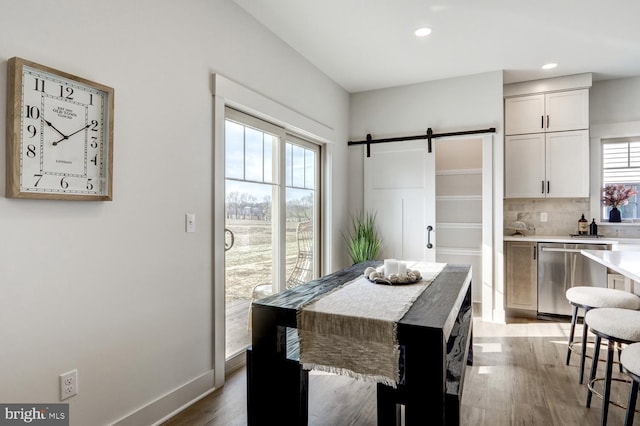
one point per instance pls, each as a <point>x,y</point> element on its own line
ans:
<point>519,377</point>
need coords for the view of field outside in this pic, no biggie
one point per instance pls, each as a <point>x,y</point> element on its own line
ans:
<point>248,262</point>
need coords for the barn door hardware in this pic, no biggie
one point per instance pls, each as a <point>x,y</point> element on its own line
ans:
<point>428,136</point>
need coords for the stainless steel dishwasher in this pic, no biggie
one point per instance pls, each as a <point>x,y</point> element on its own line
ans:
<point>561,266</point>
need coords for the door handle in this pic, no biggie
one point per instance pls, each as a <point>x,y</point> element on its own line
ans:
<point>228,245</point>
<point>429,229</point>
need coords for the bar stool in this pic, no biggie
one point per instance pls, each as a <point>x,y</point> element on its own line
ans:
<point>587,298</point>
<point>617,326</point>
<point>630,360</point>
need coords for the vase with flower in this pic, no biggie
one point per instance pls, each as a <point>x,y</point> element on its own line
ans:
<point>615,196</point>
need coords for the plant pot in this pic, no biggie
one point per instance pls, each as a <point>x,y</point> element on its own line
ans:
<point>614,215</point>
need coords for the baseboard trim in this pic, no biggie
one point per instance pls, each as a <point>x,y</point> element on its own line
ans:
<point>168,405</point>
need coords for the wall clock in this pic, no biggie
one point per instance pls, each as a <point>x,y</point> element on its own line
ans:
<point>59,134</point>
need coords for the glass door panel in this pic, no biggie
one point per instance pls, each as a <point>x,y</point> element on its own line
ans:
<point>271,218</point>
<point>250,229</point>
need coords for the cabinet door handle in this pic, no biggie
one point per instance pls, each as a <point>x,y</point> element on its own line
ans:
<point>542,182</point>
<point>547,121</point>
<point>535,252</point>
<point>542,121</point>
<point>548,187</point>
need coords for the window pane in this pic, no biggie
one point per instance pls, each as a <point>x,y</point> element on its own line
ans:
<point>309,169</point>
<point>288,158</point>
<point>269,146</point>
<point>253,154</point>
<point>300,235</point>
<point>297,167</point>
<point>621,166</point>
<point>234,150</point>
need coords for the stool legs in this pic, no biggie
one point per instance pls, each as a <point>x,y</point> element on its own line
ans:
<point>594,367</point>
<point>631,405</point>
<point>574,318</point>
<point>607,383</point>
<point>583,355</point>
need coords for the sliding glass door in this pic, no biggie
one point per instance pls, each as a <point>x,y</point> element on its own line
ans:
<point>271,219</point>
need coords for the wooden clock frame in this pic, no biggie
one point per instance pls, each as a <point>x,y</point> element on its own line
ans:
<point>14,134</point>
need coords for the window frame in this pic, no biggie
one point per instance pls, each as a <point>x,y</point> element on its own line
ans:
<point>628,158</point>
<point>598,134</point>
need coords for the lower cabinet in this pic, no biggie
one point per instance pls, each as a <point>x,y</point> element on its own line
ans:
<point>521,259</point>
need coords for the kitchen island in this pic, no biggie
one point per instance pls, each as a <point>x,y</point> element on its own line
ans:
<point>626,263</point>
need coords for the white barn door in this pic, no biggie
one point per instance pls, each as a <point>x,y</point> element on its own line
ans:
<point>399,187</point>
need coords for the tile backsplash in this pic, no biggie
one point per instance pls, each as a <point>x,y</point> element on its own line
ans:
<point>562,217</point>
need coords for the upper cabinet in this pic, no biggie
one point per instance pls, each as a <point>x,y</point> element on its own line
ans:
<point>547,112</point>
<point>547,143</point>
<point>547,165</point>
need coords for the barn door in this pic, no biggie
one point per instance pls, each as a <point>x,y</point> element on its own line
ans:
<point>399,187</point>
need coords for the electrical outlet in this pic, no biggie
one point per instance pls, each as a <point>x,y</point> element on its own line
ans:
<point>68,384</point>
<point>543,217</point>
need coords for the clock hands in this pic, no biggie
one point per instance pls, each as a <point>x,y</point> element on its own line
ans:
<point>64,137</point>
<point>54,128</point>
<point>79,130</point>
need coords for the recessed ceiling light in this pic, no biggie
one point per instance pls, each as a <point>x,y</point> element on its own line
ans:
<point>549,66</point>
<point>423,32</point>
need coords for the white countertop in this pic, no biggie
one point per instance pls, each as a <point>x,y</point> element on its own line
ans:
<point>626,263</point>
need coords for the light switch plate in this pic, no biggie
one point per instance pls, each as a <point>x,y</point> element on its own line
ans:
<point>190,222</point>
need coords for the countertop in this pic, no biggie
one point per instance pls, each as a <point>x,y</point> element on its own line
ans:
<point>626,263</point>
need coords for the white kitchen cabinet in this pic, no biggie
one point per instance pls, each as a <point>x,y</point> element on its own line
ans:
<point>547,165</point>
<point>521,275</point>
<point>547,112</point>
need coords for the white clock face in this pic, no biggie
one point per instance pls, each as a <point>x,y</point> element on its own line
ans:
<point>64,140</point>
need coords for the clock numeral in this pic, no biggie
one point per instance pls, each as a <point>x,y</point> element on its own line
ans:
<point>63,183</point>
<point>94,125</point>
<point>89,185</point>
<point>94,160</point>
<point>39,85</point>
<point>32,130</point>
<point>90,98</point>
<point>68,90</point>
<point>38,177</point>
<point>32,111</point>
<point>31,151</point>
<point>94,142</point>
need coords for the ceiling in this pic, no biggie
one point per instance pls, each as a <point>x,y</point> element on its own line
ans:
<point>369,44</point>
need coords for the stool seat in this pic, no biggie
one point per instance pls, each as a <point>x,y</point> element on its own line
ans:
<point>623,324</point>
<point>601,297</point>
<point>618,326</point>
<point>587,298</point>
<point>630,360</point>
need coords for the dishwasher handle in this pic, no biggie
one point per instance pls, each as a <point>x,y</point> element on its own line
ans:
<point>563,250</point>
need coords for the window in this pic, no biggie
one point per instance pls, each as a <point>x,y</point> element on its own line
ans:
<point>621,165</point>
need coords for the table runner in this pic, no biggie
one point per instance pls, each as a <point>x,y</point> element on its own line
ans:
<point>353,329</point>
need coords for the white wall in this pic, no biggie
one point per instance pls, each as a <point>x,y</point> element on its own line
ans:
<point>614,101</point>
<point>117,289</point>
<point>451,105</point>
